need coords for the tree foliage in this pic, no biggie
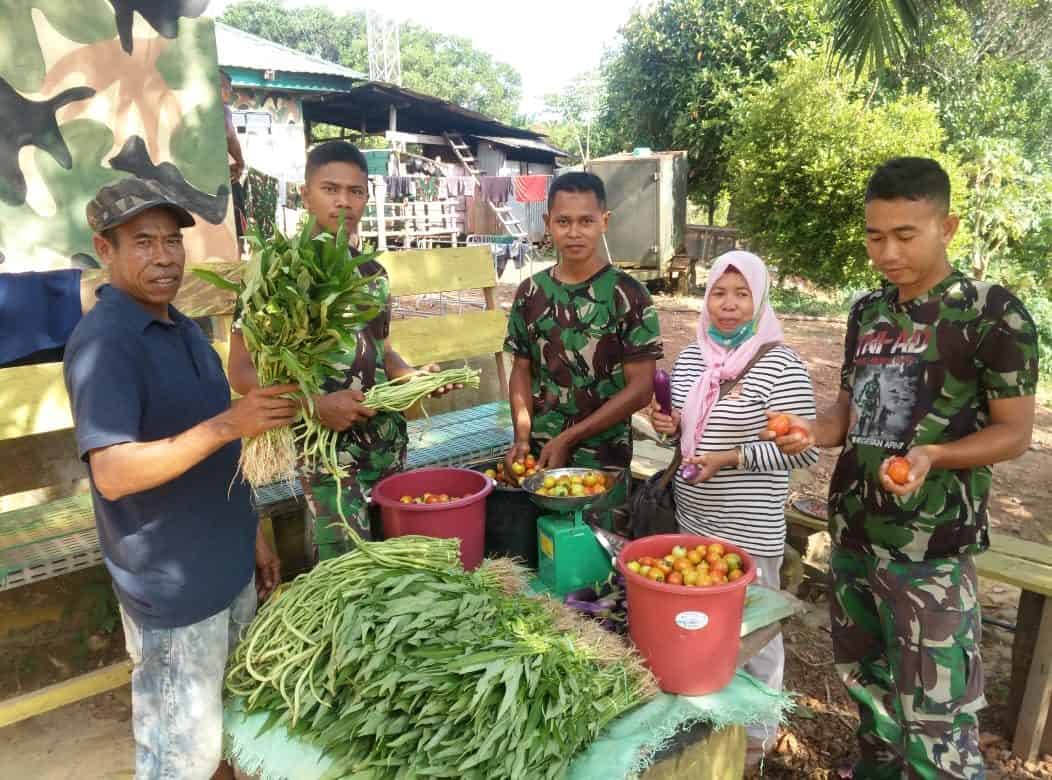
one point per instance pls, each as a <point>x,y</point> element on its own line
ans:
<point>684,65</point>
<point>988,67</point>
<point>572,118</point>
<point>446,66</point>
<point>800,159</point>
<point>1009,208</point>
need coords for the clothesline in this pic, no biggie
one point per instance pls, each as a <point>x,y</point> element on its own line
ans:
<point>496,189</point>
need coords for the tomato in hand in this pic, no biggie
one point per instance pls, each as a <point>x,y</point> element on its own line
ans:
<point>779,425</point>
<point>899,470</point>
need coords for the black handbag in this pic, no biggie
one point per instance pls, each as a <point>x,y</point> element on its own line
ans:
<point>652,507</point>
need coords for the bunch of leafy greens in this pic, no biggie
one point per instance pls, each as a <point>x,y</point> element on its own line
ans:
<point>302,302</point>
<point>398,663</point>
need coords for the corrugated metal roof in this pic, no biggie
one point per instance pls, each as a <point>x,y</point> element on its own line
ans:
<point>364,108</point>
<point>239,49</point>
<point>523,143</point>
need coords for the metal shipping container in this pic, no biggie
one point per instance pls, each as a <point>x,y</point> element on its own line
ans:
<point>648,197</point>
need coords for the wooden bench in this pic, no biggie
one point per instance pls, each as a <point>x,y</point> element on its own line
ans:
<point>47,525</point>
<point>1027,566</point>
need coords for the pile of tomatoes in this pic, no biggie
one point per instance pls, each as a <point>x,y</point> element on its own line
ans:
<point>701,567</point>
<point>520,469</point>
<point>430,498</point>
<point>566,486</point>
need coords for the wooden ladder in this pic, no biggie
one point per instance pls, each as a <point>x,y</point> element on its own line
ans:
<point>511,225</point>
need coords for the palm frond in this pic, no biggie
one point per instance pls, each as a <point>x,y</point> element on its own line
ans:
<point>875,32</point>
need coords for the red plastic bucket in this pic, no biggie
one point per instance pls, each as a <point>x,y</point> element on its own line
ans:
<point>689,637</point>
<point>464,519</point>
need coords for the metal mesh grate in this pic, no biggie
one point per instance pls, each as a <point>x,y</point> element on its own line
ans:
<point>51,539</point>
<point>462,437</point>
<point>28,526</point>
<point>49,558</point>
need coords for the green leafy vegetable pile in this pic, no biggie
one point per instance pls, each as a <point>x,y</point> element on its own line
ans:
<point>399,664</point>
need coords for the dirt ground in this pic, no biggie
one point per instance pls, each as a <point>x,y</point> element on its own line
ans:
<point>91,740</point>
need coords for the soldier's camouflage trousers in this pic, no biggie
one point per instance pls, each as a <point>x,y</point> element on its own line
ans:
<point>906,645</point>
<point>376,451</point>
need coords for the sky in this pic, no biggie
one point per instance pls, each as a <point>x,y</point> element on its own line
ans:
<point>547,41</point>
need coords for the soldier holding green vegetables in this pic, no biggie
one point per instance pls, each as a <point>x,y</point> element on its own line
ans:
<point>371,444</point>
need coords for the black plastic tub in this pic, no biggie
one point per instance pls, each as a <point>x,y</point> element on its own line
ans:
<point>511,522</point>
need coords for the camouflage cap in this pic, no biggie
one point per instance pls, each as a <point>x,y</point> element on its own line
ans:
<point>116,203</point>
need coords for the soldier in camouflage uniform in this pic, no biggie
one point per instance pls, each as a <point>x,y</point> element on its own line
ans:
<point>585,340</point>
<point>371,445</point>
<point>957,363</point>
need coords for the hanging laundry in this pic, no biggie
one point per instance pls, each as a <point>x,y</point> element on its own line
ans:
<point>399,187</point>
<point>459,186</point>
<point>531,189</point>
<point>501,254</point>
<point>38,311</point>
<point>426,188</point>
<point>497,189</point>
<point>261,200</point>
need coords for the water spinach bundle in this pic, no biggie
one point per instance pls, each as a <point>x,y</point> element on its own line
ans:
<point>399,664</point>
<point>303,302</point>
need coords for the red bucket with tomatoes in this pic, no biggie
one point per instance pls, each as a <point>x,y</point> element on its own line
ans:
<point>440,502</point>
<point>686,597</point>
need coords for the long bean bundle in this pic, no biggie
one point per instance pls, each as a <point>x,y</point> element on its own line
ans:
<point>303,302</point>
<point>398,663</point>
<point>400,394</point>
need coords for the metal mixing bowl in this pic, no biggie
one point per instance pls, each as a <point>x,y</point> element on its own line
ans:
<point>564,505</point>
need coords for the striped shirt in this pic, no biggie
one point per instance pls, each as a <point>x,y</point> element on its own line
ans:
<point>745,505</point>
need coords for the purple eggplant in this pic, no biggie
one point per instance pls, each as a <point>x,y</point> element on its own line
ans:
<point>689,472</point>
<point>587,607</point>
<point>663,390</point>
<point>582,594</point>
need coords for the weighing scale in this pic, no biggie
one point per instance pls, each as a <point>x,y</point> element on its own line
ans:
<point>573,553</point>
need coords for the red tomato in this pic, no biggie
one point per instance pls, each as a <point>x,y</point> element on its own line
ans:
<point>779,425</point>
<point>799,431</point>
<point>675,578</point>
<point>656,574</point>
<point>899,471</point>
<point>682,564</point>
<point>712,558</point>
<point>719,567</point>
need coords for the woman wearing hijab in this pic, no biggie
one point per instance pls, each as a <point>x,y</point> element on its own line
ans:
<point>742,485</point>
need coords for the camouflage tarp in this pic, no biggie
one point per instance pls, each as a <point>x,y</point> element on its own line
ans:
<point>94,90</point>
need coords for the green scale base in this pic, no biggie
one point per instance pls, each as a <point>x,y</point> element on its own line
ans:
<point>569,557</point>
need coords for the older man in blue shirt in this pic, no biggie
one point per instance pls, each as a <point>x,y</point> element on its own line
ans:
<point>154,421</point>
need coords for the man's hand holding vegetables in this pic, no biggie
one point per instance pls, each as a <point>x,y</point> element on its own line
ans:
<point>585,341</point>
